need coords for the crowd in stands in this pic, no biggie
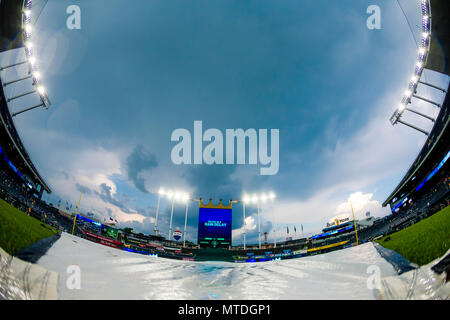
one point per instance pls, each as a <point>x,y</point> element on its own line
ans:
<point>20,197</point>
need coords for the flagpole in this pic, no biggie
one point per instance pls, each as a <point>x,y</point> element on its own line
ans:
<point>76,213</point>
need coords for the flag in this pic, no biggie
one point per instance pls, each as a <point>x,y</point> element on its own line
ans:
<point>302,228</point>
<point>287,230</point>
<point>295,229</point>
<point>111,219</point>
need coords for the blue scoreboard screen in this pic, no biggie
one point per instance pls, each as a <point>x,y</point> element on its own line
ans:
<point>214,227</point>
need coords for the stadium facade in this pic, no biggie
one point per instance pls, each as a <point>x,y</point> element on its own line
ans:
<point>424,189</point>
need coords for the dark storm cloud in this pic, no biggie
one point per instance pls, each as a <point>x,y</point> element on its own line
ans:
<point>83,189</point>
<point>105,195</point>
<point>138,161</point>
<point>214,182</point>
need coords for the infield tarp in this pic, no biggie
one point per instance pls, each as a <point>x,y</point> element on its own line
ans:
<point>108,273</point>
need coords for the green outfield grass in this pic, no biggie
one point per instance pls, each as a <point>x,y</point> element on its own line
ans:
<point>424,241</point>
<point>18,230</point>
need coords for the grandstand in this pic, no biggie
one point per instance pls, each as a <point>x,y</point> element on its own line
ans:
<point>20,182</point>
<point>424,188</point>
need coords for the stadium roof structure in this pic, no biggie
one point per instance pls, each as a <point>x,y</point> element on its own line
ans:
<point>12,36</point>
<point>9,136</point>
<point>438,56</point>
<point>434,150</point>
<point>438,142</point>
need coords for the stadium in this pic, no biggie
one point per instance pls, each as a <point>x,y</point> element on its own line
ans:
<point>77,238</point>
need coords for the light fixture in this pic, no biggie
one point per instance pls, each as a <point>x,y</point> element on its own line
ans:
<point>41,90</point>
<point>28,28</point>
<point>263,198</point>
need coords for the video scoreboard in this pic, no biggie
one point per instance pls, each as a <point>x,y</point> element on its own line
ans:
<point>214,225</point>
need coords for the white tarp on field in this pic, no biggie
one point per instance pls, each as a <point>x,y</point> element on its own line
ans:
<point>20,280</point>
<point>107,273</point>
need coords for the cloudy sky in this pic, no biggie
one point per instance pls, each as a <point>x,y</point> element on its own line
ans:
<point>131,75</point>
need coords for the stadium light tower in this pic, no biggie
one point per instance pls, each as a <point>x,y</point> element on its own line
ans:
<point>257,199</point>
<point>179,196</point>
<point>272,199</point>
<point>246,199</point>
<point>161,192</point>
<point>185,199</point>
<point>171,196</point>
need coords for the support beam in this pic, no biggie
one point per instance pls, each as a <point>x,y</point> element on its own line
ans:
<point>432,86</point>
<point>426,100</point>
<point>414,127</point>
<point>17,80</point>
<point>21,95</point>
<point>421,114</point>
<point>13,65</point>
<point>27,109</point>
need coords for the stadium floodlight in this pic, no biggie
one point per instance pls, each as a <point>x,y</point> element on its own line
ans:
<point>28,28</point>
<point>32,61</point>
<point>256,199</point>
<point>185,197</point>
<point>36,75</point>
<point>423,52</point>
<point>169,194</point>
<point>161,192</point>
<point>41,90</point>
<point>27,13</point>
<point>29,45</point>
<point>263,197</point>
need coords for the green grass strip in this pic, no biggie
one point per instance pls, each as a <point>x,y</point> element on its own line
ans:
<point>424,241</point>
<point>18,230</point>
